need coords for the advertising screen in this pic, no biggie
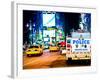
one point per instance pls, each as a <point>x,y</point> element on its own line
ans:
<point>50,33</point>
<point>48,20</point>
<point>46,39</point>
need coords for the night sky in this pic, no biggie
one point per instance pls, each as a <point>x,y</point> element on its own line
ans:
<point>71,21</point>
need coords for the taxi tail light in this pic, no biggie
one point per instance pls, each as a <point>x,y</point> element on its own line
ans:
<point>68,46</point>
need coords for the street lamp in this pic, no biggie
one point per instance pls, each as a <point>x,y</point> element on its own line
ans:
<point>33,32</point>
<point>29,25</point>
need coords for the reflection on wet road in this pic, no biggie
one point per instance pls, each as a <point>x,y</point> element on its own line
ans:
<point>47,60</point>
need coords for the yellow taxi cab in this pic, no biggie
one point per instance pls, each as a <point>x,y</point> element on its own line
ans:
<point>34,50</point>
<point>53,48</point>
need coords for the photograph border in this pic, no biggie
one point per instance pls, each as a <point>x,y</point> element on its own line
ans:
<point>16,25</point>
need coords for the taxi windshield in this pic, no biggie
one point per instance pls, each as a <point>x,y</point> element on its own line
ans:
<point>34,47</point>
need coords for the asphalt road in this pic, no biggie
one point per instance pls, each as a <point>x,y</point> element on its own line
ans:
<point>47,60</point>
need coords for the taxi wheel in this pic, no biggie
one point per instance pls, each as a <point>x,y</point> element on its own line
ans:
<point>41,53</point>
<point>28,55</point>
<point>51,51</point>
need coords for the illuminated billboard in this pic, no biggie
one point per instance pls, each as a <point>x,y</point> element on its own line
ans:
<point>50,33</point>
<point>48,20</point>
<point>46,39</point>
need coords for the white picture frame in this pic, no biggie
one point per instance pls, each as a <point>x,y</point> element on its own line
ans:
<point>17,60</point>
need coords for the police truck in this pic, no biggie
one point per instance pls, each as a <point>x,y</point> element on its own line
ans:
<point>78,46</point>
